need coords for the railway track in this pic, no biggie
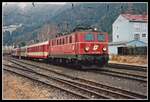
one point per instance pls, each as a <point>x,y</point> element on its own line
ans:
<point>123,74</point>
<point>40,78</point>
<point>99,88</point>
<point>127,67</point>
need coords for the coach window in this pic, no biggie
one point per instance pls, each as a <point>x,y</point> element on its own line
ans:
<point>70,39</point>
<point>66,40</point>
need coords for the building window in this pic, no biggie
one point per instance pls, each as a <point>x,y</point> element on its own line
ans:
<point>143,35</point>
<point>117,27</point>
<point>136,36</point>
<point>117,36</point>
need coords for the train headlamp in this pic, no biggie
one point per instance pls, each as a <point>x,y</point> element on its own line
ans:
<point>104,48</point>
<point>87,48</point>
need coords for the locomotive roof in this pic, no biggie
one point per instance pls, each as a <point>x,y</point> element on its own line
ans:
<point>38,44</point>
<point>76,32</point>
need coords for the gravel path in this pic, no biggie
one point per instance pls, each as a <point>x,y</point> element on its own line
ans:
<point>18,87</point>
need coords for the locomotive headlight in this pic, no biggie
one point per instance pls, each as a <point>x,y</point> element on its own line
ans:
<point>95,47</point>
<point>104,48</point>
<point>87,48</point>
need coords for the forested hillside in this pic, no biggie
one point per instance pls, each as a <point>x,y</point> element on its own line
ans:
<point>42,22</point>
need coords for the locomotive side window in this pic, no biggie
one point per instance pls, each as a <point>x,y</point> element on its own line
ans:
<point>66,40</point>
<point>57,41</point>
<point>70,39</point>
<point>60,41</point>
<point>101,37</point>
<point>52,42</point>
<point>63,41</point>
<point>89,37</point>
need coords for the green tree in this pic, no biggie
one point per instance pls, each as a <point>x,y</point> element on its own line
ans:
<point>22,44</point>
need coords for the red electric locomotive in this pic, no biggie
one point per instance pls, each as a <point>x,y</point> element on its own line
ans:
<point>84,48</point>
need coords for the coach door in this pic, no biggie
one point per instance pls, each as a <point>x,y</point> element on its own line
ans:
<point>45,50</point>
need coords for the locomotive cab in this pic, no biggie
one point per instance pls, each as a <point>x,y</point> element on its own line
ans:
<point>92,47</point>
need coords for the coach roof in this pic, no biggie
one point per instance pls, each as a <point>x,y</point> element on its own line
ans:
<point>39,44</point>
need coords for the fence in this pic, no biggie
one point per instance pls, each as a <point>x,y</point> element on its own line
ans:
<point>132,50</point>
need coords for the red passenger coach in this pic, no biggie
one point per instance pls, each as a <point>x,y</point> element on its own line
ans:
<point>39,50</point>
<point>16,52</point>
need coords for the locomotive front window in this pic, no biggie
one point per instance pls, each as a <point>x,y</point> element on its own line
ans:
<point>89,37</point>
<point>101,37</point>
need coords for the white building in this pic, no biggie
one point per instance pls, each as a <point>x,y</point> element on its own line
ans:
<point>129,28</point>
<point>11,28</point>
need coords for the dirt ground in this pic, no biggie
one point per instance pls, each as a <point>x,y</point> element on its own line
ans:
<point>135,60</point>
<point>17,87</point>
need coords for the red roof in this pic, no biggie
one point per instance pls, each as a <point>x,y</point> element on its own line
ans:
<point>132,17</point>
